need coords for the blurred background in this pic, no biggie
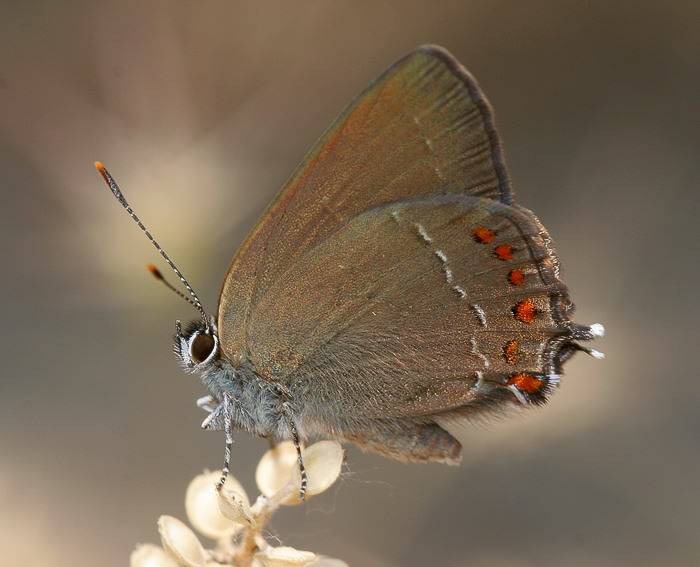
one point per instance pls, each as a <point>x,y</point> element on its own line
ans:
<point>201,110</point>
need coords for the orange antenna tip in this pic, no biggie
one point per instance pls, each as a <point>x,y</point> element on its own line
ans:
<point>103,171</point>
<point>155,271</point>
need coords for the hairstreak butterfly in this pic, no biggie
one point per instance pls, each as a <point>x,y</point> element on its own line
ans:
<point>392,284</point>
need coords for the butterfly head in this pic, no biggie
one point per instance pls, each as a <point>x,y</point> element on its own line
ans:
<point>197,346</point>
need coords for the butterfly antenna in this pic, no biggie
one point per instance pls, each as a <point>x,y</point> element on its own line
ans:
<point>120,197</point>
<point>160,277</point>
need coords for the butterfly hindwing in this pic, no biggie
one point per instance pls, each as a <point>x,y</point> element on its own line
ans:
<point>409,309</point>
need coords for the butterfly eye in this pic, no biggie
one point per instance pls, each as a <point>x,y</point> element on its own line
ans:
<point>202,347</point>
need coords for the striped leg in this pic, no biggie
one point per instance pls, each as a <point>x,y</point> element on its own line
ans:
<point>228,432</point>
<point>295,439</point>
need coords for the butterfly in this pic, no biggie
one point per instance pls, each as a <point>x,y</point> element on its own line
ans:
<point>392,285</point>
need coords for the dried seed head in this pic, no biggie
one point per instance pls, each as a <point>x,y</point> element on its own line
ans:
<point>235,507</point>
<point>202,506</point>
<point>285,557</point>
<point>278,467</point>
<point>180,542</point>
<point>275,468</point>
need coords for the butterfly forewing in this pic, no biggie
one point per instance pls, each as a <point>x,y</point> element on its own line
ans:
<point>423,128</point>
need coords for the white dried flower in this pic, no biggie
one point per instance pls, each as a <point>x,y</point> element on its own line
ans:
<point>279,467</point>
<point>285,557</point>
<point>149,555</point>
<point>274,470</point>
<point>180,542</point>
<point>238,527</point>
<point>323,462</point>
<point>234,506</point>
<point>201,505</point>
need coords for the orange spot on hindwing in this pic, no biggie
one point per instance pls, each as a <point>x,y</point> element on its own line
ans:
<point>510,351</point>
<point>526,383</point>
<point>525,311</point>
<point>516,276</point>
<point>484,235</point>
<point>503,252</point>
